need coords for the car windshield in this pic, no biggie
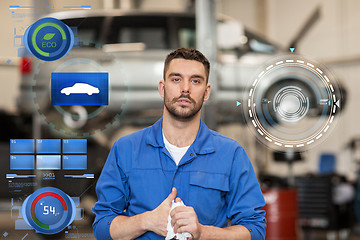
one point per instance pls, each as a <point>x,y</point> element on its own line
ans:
<point>88,31</point>
<point>156,32</point>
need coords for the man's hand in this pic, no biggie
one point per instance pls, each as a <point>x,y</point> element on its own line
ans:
<point>156,220</point>
<point>184,219</point>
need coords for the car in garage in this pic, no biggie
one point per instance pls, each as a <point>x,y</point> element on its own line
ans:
<point>131,46</point>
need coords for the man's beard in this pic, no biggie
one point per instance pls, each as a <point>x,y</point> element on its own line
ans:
<point>183,115</point>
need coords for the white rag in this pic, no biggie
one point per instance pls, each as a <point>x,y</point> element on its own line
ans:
<point>170,229</point>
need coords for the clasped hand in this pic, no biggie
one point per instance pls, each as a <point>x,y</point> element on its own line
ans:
<point>183,218</point>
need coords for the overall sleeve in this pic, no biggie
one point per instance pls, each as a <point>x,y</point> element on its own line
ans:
<point>113,194</point>
<point>245,198</point>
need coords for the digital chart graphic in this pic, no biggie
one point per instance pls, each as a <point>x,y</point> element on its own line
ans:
<point>292,103</point>
<point>48,39</point>
<point>48,210</point>
<point>48,154</point>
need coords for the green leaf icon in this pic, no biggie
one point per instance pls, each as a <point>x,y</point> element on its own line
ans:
<point>48,36</point>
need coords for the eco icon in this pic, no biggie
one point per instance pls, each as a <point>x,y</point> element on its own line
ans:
<point>48,39</point>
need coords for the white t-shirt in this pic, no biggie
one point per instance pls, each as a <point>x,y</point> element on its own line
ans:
<point>176,152</point>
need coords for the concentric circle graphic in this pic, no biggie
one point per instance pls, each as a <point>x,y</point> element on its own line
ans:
<point>292,103</point>
<point>49,210</point>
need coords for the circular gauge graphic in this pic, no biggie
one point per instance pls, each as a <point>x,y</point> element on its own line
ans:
<point>48,210</point>
<point>292,103</point>
<point>48,39</point>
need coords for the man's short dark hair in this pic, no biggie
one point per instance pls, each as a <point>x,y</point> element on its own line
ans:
<point>188,54</point>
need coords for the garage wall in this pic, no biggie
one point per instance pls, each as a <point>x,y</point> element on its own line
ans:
<point>244,11</point>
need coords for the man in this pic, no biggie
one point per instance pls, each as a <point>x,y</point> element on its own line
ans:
<point>210,173</point>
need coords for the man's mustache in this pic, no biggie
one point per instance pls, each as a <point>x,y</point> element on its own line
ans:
<point>183,96</point>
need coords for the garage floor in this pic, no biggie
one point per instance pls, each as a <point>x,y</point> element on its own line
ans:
<point>84,231</point>
<point>323,235</point>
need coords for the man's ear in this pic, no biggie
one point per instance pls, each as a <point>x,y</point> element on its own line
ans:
<point>207,92</point>
<point>161,86</point>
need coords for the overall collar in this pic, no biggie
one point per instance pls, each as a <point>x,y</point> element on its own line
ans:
<point>203,143</point>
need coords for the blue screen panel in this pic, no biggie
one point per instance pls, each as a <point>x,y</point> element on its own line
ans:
<point>22,162</point>
<point>80,88</point>
<point>48,162</point>
<point>75,162</point>
<point>22,145</point>
<point>48,145</point>
<point>74,145</point>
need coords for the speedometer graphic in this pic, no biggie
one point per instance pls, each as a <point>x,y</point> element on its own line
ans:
<point>48,210</point>
<point>292,103</point>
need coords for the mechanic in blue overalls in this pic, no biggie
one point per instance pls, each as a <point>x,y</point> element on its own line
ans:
<point>179,158</point>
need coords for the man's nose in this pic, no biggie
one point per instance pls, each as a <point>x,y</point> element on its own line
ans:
<point>185,87</point>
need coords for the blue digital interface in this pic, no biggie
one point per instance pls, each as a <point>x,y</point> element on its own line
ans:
<point>48,39</point>
<point>80,88</point>
<point>74,162</point>
<point>49,210</point>
<point>50,155</point>
<point>22,145</point>
<point>74,145</point>
<point>48,162</point>
<point>22,162</point>
<point>48,145</point>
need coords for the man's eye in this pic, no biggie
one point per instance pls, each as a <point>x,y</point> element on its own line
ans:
<point>176,79</point>
<point>195,81</point>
